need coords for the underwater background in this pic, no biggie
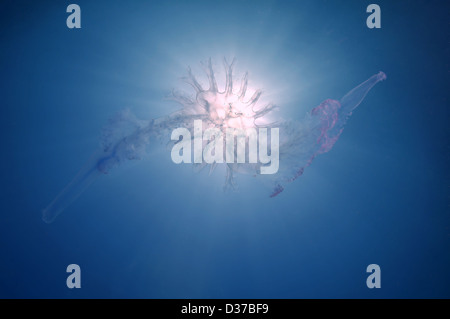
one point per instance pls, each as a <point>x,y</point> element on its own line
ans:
<point>154,229</point>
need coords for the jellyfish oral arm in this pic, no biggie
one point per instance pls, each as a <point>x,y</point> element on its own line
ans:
<point>317,133</point>
<point>352,99</point>
<point>85,177</point>
<point>127,148</point>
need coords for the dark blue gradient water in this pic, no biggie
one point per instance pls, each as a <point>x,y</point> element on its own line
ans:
<point>154,229</point>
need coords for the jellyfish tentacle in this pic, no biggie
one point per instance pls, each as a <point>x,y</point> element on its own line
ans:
<point>244,84</point>
<point>254,99</point>
<point>190,79</point>
<point>229,76</point>
<point>211,77</point>
<point>266,109</point>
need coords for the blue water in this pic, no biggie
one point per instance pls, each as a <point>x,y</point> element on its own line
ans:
<point>154,229</point>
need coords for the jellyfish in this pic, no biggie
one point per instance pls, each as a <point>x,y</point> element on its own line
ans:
<point>126,137</point>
